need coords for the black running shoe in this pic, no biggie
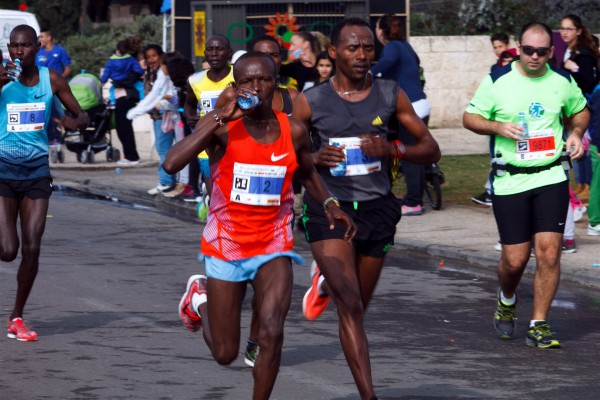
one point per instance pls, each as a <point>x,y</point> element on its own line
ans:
<point>484,199</point>
<point>251,353</point>
<point>541,336</point>
<point>504,319</point>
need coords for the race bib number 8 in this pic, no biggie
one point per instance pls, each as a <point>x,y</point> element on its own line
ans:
<point>25,117</point>
<point>357,162</point>
<point>257,185</point>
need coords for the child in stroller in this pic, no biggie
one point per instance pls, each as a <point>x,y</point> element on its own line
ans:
<point>87,90</point>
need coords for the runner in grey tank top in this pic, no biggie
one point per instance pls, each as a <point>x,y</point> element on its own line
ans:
<point>347,120</point>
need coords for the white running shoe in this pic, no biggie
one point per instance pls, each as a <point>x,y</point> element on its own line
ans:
<point>593,230</point>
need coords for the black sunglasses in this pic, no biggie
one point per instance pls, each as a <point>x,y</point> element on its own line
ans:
<point>541,51</point>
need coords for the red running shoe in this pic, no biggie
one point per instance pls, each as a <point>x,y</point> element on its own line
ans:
<point>313,304</point>
<point>189,316</point>
<point>16,329</point>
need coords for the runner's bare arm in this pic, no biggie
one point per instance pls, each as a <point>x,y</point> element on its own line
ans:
<point>426,150</point>
<point>224,97</point>
<point>210,134</point>
<point>312,181</point>
<point>579,124</point>
<point>327,156</point>
<point>60,87</point>
<point>482,126</point>
<point>190,107</point>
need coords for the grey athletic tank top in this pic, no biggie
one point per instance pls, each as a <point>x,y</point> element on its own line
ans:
<point>334,119</point>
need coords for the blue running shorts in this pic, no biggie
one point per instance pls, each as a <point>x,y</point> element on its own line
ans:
<point>245,269</point>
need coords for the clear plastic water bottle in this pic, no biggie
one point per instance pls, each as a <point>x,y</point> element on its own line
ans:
<point>18,69</point>
<point>523,124</point>
<point>500,164</point>
<point>340,168</point>
<point>249,102</point>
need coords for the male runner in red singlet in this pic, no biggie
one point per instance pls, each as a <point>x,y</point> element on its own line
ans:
<point>248,234</point>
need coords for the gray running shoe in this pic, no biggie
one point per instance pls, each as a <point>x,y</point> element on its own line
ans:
<point>504,319</point>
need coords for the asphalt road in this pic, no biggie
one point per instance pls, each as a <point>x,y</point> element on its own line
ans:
<point>105,308</point>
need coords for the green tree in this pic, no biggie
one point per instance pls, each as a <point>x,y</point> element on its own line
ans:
<point>90,50</point>
<point>60,16</point>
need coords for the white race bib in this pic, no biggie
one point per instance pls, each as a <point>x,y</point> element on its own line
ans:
<point>257,185</point>
<point>357,162</point>
<point>26,117</point>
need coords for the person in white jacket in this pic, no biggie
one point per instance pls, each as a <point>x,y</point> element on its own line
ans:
<point>161,102</point>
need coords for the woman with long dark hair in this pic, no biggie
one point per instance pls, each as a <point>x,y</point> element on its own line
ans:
<point>581,60</point>
<point>400,63</point>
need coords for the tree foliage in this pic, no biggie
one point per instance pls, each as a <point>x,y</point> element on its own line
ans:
<point>60,16</point>
<point>483,17</point>
<point>91,50</point>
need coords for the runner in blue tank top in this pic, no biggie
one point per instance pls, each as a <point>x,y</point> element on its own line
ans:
<point>25,181</point>
<point>347,118</point>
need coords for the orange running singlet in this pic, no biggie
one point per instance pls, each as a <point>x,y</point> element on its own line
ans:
<point>251,207</point>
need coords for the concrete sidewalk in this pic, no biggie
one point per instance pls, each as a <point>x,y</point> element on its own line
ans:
<point>456,232</point>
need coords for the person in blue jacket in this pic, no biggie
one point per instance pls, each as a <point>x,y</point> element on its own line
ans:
<point>124,71</point>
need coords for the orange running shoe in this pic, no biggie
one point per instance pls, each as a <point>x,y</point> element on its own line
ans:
<point>16,329</point>
<point>313,304</point>
<point>189,317</point>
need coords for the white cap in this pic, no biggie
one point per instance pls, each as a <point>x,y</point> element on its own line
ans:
<point>237,55</point>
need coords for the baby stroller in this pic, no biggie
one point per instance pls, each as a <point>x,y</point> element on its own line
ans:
<point>97,137</point>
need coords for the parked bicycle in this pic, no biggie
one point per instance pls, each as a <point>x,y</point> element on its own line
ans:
<point>434,179</point>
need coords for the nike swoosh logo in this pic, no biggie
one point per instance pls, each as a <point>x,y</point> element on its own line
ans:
<point>275,158</point>
<point>561,223</point>
<point>38,96</point>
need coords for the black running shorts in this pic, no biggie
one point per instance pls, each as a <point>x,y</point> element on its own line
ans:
<point>40,188</point>
<point>376,221</point>
<point>520,216</point>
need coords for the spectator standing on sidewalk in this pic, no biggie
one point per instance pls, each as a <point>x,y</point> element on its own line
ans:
<point>348,121</point>
<point>593,210</point>
<point>25,180</point>
<point>400,63</point>
<point>302,58</point>
<point>529,185</point>
<point>248,237</point>
<point>158,88</point>
<point>54,57</point>
<point>124,71</point>
<point>581,60</point>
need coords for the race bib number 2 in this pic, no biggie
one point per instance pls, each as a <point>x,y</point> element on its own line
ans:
<point>25,117</point>
<point>257,185</point>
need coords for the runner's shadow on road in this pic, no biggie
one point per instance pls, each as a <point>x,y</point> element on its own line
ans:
<point>82,321</point>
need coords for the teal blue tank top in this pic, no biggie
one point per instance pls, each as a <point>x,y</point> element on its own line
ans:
<point>24,115</point>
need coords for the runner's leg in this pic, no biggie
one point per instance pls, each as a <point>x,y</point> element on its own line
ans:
<point>33,222</point>
<point>9,239</point>
<point>273,293</point>
<point>368,270</point>
<point>336,260</point>
<point>221,318</point>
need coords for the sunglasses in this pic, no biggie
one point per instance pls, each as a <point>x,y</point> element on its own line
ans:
<point>541,51</point>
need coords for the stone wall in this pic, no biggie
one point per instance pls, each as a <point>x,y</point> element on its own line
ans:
<point>454,67</point>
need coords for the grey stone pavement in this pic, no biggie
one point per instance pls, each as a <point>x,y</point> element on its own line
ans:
<point>455,232</point>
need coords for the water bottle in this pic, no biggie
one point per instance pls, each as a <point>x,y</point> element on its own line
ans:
<point>18,69</point>
<point>340,168</point>
<point>247,103</point>
<point>565,159</point>
<point>523,124</point>
<point>499,164</point>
